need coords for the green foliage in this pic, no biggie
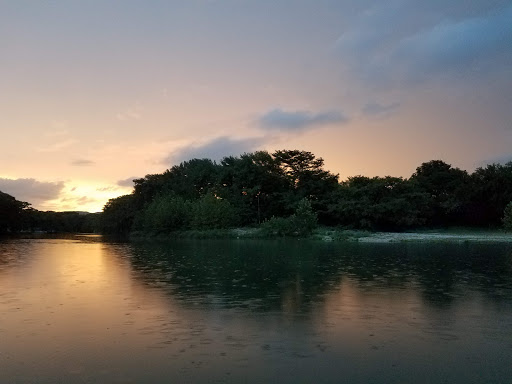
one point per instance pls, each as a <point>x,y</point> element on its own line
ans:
<point>304,218</point>
<point>307,179</point>
<point>118,215</point>
<point>260,187</point>
<point>212,212</point>
<point>278,226</point>
<point>191,179</point>
<point>384,203</point>
<point>490,193</point>
<point>255,185</point>
<point>289,192</point>
<point>507,217</point>
<point>447,189</point>
<point>301,223</point>
<point>163,215</point>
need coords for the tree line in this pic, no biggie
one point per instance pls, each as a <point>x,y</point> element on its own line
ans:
<point>18,216</point>
<point>285,192</point>
<point>285,188</point>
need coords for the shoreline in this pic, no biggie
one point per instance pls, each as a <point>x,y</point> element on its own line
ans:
<point>392,237</point>
<point>454,235</point>
<point>339,235</point>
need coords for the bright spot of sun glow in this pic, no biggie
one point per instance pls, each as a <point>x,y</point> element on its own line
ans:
<point>84,197</point>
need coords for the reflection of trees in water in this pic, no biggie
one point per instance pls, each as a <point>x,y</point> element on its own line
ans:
<point>443,272</point>
<point>261,275</point>
<point>15,252</point>
<point>291,275</point>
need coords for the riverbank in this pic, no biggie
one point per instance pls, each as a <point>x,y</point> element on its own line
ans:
<point>329,234</point>
<point>385,237</point>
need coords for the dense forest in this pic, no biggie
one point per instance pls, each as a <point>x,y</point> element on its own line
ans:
<point>286,192</point>
<point>289,189</point>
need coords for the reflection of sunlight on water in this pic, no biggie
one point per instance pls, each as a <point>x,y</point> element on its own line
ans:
<point>77,303</point>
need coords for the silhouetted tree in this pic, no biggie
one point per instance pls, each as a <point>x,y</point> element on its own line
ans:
<point>447,188</point>
<point>490,192</point>
<point>262,187</point>
<point>164,214</point>
<point>254,184</point>
<point>307,179</point>
<point>119,214</point>
<point>507,216</point>
<point>11,213</point>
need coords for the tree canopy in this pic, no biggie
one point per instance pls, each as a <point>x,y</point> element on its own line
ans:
<point>258,187</point>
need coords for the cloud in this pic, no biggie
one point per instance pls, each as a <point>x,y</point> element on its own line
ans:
<point>31,190</point>
<point>133,113</point>
<point>412,42</point>
<point>373,109</point>
<point>215,149</point>
<point>78,200</point>
<point>503,159</point>
<point>82,162</point>
<point>107,189</point>
<point>74,203</point>
<point>469,45</point>
<point>127,182</point>
<point>298,121</point>
<point>58,145</point>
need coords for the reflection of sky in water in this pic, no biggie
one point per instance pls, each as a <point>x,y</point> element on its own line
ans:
<point>228,311</point>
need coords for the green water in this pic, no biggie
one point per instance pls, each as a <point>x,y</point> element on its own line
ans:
<point>84,310</point>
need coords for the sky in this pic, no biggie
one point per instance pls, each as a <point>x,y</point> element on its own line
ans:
<point>95,93</point>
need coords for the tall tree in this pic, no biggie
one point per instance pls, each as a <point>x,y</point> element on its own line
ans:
<point>254,184</point>
<point>190,179</point>
<point>447,188</point>
<point>307,179</point>
<point>119,214</point>
<point>11,213</point>
<point>491,191</point>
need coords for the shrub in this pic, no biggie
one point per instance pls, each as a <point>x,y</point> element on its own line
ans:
<point>278,226</point>
<point>301,223</point>
<point>507,216</point>
<point>210,212</point>
<point>164,214</point>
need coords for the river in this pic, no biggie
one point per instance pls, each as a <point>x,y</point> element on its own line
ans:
<point>83,309</point>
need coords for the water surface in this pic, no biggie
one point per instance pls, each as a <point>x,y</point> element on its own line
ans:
<point>80,309</point>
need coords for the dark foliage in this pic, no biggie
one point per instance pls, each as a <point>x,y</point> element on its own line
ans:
<point>12,213</point>
<point>245,190</point>
<point>17,216</point>
<point>266,188</point>
<point>383,203</point>
<point>271,188</point>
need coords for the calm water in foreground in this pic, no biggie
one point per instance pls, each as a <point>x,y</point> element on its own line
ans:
<point>84,310</point>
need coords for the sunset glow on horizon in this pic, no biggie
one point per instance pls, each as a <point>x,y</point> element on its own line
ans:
<point>97,93</point>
